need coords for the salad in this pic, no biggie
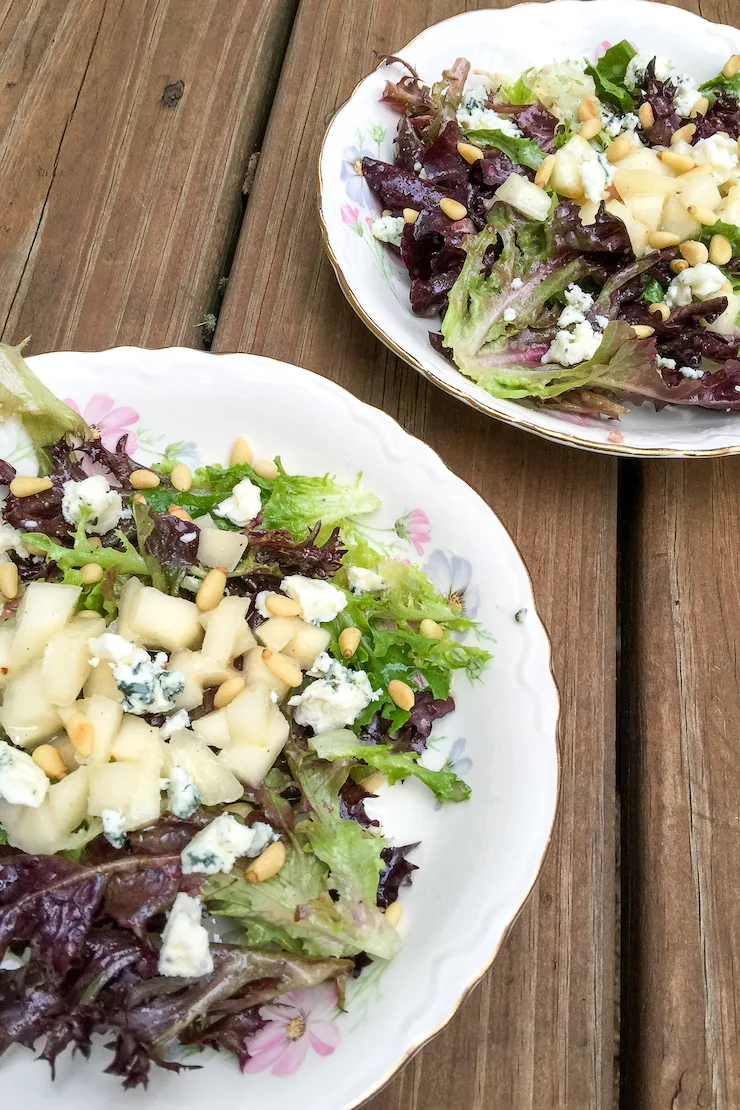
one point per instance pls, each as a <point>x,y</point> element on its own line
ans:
<point>577,227</point>
<point>206,679</point>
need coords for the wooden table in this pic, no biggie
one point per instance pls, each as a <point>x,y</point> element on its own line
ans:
<point>122,211</point>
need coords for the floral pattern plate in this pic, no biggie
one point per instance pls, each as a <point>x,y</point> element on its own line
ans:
<point>482,856</point>
<point>371,274</point>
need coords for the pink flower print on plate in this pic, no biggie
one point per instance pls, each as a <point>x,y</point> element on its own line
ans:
<point>299,1022</point>
<point>415,528</point>
<point>112,423</point>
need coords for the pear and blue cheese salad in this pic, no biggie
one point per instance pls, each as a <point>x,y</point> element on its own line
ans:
<point>204,678</point>
<point>577,227</point>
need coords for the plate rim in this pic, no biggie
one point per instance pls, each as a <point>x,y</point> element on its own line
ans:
<point>525,424</point>
<point>436,459</point>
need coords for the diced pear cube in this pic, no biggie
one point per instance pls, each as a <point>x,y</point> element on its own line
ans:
<point>307,644</point>
<point>213,728</point>
<point>137,741</point>
<point>27,715</point>
<point>46,607</point>
<point>255,671</point>
<point>277,631</point>
<point>219,548</point>
<point>198,671</point>
<point>216,783</point>
<point>66,661</point>
<point>227,632</point>
<point>162,621</point>
<point>48,829</point>
<point>7,633</point>
<point>251,760</point>
<point>130,788</point>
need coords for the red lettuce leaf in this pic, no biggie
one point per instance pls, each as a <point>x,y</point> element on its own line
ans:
<point>607,235</point>
<point>723,115</point>
<point>660,95</point>
<point>398,188</point>
<point>279,548</point>
<point>396,873</point>
<point>537,123</point>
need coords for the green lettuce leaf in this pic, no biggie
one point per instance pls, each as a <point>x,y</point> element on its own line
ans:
<point>3,836</point>
<point>523,152</point>
<point>343,744</point>
<point>127,561</point>
<point>731,232</point>
<point>519,92</point>
<point>609,75</point>
<point>715,84</point>
<point>563,132</point>
<point>44,416</point>
<point>654,292</point>
<point>297,502</point>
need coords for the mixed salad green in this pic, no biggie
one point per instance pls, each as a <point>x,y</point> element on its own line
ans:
<point>205,677</point>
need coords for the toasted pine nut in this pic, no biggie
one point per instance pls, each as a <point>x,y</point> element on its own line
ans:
<point>401,693</point>
<point>144,479</point>
<point>681,163</point>
<point>684,134</point>
<point>678,264</point>
<point>267,865</point>
<point>731,66</point>
<point>227,691</point>
<point>720,250</point>
<point>241,452</point>
<point>179,512</point>
<point>704,215</point>
<point>662,239</point>
<point>27,487</point>
<point>211,589</point>
<point>82,734</point>
<point>266,468</point>
<point>646,116</point>
<point>410,215</point>
<point>349,639</point>
<point>9,580</point>
<point>87,615</point>
<point>698,171</point>
<point>393,914</point>
<point>140,498</point>
<point>374,782</point>
<point>694,252</point>
<point>618,150</point>
<point>544,173</point>
<point>430,628</point>
<point>643,331</point>
<point>590,128</point>
<point>49,759</point>
<point>91,573</point>
<point>726,286</point>
<point>32,549</point>
<point>661,310</point>
<point>358,167</point>
<point>283,668</point>
<point>387,212</point>
<point>469,152</point>
<point>453,209</point>
<point>181,477</point>
<point>587,109</point>
<point>94,541</point>
<point>700,108</point>
<point>281,606</point>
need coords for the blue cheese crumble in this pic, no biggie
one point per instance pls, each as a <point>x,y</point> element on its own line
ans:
<point>185,948</point>
<point>94,494</point>
<point>336,699</point>
<point>114,827</point>
<point>388,229</point>
<point>173,724</point>
<point>22,783</point>
<point>319,600</point>
<point>183,796</point>
<point>218,846</point>
<point>472,115</point>
<point>362,581</point>
<point>243,504</point>
<point>146,685</point>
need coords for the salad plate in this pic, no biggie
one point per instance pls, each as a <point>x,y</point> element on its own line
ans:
<point>497,74</point>
<point>322,1045</point>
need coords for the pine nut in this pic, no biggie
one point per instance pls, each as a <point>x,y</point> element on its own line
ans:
<point>698,171</point>
<point>661,310</point>
<point>87,615</point>
<point>179,512</point>
<point>430,628</point>
<point>678,264</point>
<point>139,497</point>
<point>227,691</point>
<point>410,215</point>
<point>91,573</point>
<point>32,549</point>
<point>544,173</point>
<point>82,734</point>
<point>590,128</point>
<point>93,541</point>
<point>401,693</point>
<point>720,250</point>
<point>9,580</point>
<point>700,108</point>
<point>393,914</point>
<point>684,134</point>
<point>618,150</point>
<point>726,286</point>
<point>241,453</point>
<point>27,487</point>
<point>281,606</point>
<point>181,477</point>
<point>646,116</point>
<point>643,331</point>
<point>453,209</point>
<point>681,163</point>
<point>268,864</point>
<point>144,479</point>
<point>662,239</point>
<point>387,212</point>
<point>266,469</point>
<point>587,109</point>
<point>211,589</point>
<point>469,152</point>
<point>283,668</point>
<point>375,782</point>
<point>704,215</point>
<point>731,66</point>
<point>49,759</point>
<point>694,253</point>
<point>349,640</point>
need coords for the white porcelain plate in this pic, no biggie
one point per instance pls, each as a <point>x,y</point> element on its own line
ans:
<point>372,276</point>
<point>477,860</point>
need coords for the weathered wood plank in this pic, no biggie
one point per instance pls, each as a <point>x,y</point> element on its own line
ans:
<point>118,214</point>
<point>539,1032</point>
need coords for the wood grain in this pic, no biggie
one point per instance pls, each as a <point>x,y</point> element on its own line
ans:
<point>538,1034</point>
<point>118,213</point>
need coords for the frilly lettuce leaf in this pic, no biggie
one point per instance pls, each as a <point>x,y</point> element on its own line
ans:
<point>44,416</point>
<point>296,502</point>
<point>609,75</point>
<point>524,152</point>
